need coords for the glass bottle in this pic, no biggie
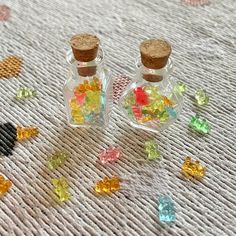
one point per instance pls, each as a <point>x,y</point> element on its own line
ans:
<point>150,101</point>
<point>88,89</point>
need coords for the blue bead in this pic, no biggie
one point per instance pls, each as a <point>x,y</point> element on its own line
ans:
<point>171,111</point>
<point>166,209</point>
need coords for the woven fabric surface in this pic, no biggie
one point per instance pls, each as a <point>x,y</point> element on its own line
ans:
<point>203,41</point>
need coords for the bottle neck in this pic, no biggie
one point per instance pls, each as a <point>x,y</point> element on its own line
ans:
<point>85,69</point>
<point>155,75</point>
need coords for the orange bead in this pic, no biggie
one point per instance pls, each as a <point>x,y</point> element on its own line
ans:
<point>26,132</point>
<point>4,185</point>
<point>167,101</point>
<point>107,185</point>
<point>193,168</point>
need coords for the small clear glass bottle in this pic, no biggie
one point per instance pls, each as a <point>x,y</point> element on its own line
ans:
<point>151,101</point>
<point>88,90</point>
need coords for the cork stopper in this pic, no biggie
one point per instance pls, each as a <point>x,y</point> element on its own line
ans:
<point>155,53</point>
<point>84,47</point>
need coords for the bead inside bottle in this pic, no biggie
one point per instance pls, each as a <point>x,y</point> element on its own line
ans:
<point>150,102</point>
<point>88,91</point>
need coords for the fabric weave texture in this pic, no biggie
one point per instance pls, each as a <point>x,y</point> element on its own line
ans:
<point>203,41</point>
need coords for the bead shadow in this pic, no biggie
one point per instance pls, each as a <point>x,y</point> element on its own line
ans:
<point>75,142</point>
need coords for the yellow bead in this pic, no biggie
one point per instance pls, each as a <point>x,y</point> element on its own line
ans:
<point>26,132</point>
<point>107,185</point>
<point>78,119</point>
<point>193,168</point>
<point>61,189</point>
<point>73,104</point>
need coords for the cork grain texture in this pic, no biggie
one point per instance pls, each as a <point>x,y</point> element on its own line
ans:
<point>203,53</point>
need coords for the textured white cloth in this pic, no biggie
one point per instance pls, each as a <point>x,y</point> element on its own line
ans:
<point>203,40</point>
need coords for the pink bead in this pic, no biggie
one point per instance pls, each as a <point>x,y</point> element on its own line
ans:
<point>141,96</point>
<point>80,98</point>
<point>109,155</point>
<point>137,112</point>
<point>4,12</point>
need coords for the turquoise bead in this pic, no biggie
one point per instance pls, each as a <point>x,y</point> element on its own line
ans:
<point>166,209</point>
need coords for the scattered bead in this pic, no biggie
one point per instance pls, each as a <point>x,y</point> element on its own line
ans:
<point>166,209</point>
<point>180,88</point>
<point>5,185</point>
<point>57,159</point>
<point>24,93</point>
<point>152,150</point>
<point>7,138</point>
<point>107,185</point>
<point>61,189</point>
<point>199,125</point>
<point>10,67</point>
<point>109,155</point>
<point>201,97</point>
<point>4,12</point>
<point>26,132</point>
<point>148,104</point>
<point>193,168</point>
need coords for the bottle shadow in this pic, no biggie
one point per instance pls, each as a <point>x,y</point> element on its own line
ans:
<point>82,145</point>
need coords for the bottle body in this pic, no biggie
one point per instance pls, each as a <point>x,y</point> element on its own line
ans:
<point>150,101</point>
<point>88,92</point>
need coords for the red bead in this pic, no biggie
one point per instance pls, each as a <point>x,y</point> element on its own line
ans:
<point>141,96</point>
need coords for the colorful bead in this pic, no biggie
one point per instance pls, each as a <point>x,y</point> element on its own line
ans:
<point>86,102</point>
<point>109,155</point>
<point>199,125</point>
<point>151,149</point>
<point>80,98</point>
<point>5,185</point>
<point>171,111</point>
<point>129,100</point>
<point>141,96</point>
<point>180,88</point>
<point>61,189</point>
<point>23,93</point>
<point>4,12</point>
<point>107,185</point>
<point>193,168</point>
<point>137,112</point>
<point>57,159</point>
<point>148,104</point>
<point>164,117</point>
<point>201,97</point>
<point>26,132</point>
<point>167,101</point>
<point>166,209</point>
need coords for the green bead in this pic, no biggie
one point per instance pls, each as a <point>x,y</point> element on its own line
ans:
<point>129,100</point>
<point>57,159</point>
<point>164,116</point>
<point>153,92</point>
<point>61,189</point>
<point>180,88</point>
<point>92,101</point>
<point>201,97</point>
<point>199,125</point>
<point>23,93</point>
<point>152,150</point>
